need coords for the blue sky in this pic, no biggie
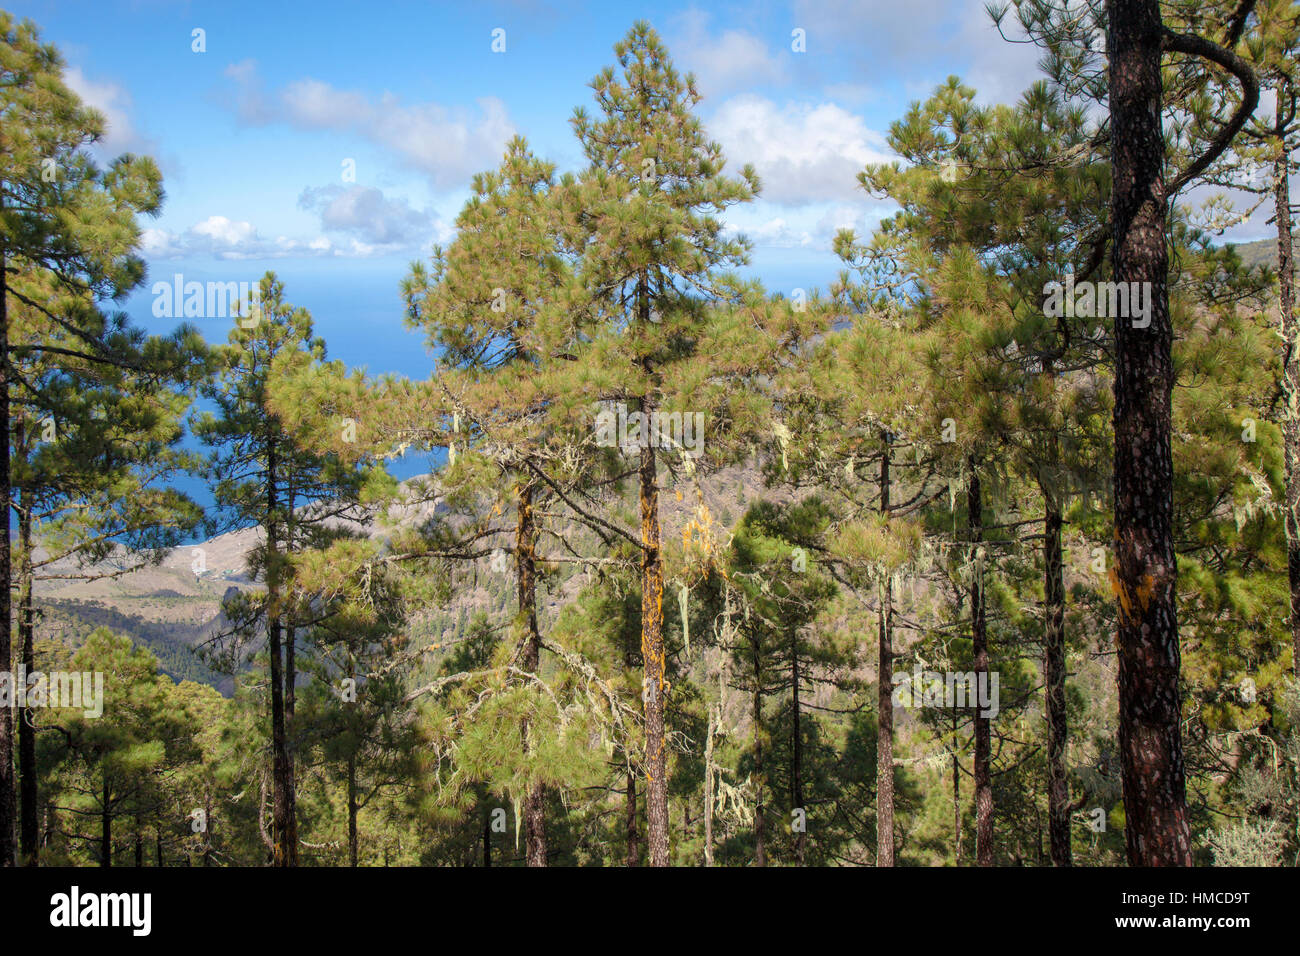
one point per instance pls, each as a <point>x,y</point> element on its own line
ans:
<point>253,134</point>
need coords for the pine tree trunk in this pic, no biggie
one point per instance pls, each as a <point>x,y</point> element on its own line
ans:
<point>7,807</point>
<point>139,845</point>
<point>487,841</point>
<point>290,736</point>
<point>956,796</point>
<point>633,850</point>
<point>983,770</point>
<point>279,760</point>
<point>29,818</point>
<point>1058,789</point>
<point>1290,382</point>
<point>352,810</point>
<point>284,850</point>
<point>653,656</point>
<point>526,563</point>
<point>885,700</point>
<point>709,771</point>
<point>209,821</point>
<point>105,826</point>
<point>1145,567</point>
<point>796,752</point>
<point>760,823</point>
<point>290,702</point>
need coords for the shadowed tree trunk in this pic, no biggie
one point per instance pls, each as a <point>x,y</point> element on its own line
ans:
<point>653,656</point>
<point>1290,383</point>
<point>796,751</point>
<point>105,826</point>
<point>1150,741</point>
<point>526,561</point>
<point>885,701</point>
<point>7,807</point>
<point>1145,568</point>
<point>291,737</point>
<point>285,850</point>
<point>290,699</point>
<point>760,824</point>
<point>709,772</point>
<point>1058,789</point>
<point>29,822</point>
<point>956,795</point>
<point>633,850</point>
<point>352,810</point>
<point>983,770</point>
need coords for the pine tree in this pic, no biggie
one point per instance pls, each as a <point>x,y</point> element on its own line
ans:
<point>1132,85</point>
<point>94,442</point>
<point>1145,565</point>
<point>108,763</point>
<point>61,213</point>
<point>499,307</point>
<point>651,242</point>
<point>263,475</point>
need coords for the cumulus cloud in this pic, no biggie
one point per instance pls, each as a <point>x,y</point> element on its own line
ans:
<point>446,143</point>
<point>219,237</point>
<point>884,34</point>
<point>361,220</point>
<point>120,134</point>
<point>803,152</point>
<point>728,61</point>
<point>806,227</point>
<point>840,216</point>
<point>778,233</point>
<point>364,212</point>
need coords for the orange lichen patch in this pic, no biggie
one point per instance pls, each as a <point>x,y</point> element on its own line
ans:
<point>1128,600</point>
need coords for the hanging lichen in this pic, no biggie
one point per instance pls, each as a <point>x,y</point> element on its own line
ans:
<point>783,439</point>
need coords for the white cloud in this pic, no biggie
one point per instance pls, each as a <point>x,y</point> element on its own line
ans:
<point>805,227</point>
<point>448,144</point>
<point>840,216</point>
<point>929,38</point>
<point>120,134</point>
<point>732,60</point>
<point>360,222</point>
<point>225,232</point>
<point>803,153</point>
<point>366,213</point>
<point>219,237</point>
<point>777,233</point>
<point>878,29</point>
